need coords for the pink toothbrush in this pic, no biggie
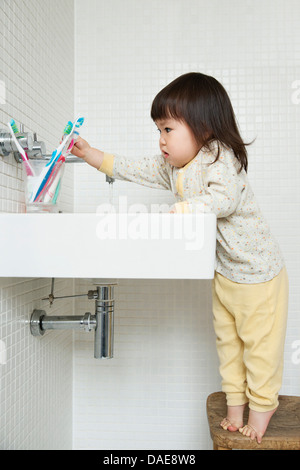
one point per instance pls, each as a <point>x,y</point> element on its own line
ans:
<point>13,128</point>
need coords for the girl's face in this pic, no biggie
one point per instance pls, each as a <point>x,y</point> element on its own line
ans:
<point>177,142</point>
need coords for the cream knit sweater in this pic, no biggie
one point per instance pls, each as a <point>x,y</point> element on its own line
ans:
<point>246,250</point>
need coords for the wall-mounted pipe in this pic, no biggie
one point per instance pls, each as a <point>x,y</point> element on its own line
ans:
<point>40,322</point>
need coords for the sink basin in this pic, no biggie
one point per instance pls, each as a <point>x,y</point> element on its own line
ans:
<point>148,246</point>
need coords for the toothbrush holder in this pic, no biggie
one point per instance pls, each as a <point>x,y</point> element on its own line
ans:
<point>43,199</point>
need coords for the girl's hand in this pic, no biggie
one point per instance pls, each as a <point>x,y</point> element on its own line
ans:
<point>92,156</point>
<point>80,148</point>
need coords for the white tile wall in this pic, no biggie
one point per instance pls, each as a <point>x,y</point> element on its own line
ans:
<point>36,375</point>
<point>152,395</point>
<point>37,73</point>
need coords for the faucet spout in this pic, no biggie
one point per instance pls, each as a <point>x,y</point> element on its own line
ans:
<point>109,179</point>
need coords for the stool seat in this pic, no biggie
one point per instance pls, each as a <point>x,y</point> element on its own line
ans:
<point>283,432</point>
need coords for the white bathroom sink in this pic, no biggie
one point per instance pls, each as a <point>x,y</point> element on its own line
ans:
<point>149,246</point>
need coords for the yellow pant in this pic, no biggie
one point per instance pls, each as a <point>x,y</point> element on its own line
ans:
<point>250,325</point>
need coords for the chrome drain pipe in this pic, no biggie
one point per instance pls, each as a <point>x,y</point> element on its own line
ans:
<point>104,333</point>
<point>40,322</point>
<point>102,322</point>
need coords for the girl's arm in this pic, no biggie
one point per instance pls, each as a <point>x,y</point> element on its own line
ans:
<point>146,171</point>
<point>149,171</point>
<point>223,187</point>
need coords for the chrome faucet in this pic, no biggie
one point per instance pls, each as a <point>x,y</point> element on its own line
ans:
<point>102,322</point>
<point>36,150</point>
<point>8,146</point>
<point>109,179</point>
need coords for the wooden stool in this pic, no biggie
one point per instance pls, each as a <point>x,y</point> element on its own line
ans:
<point>283,432</point>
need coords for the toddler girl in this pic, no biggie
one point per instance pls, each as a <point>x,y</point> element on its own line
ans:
<point>203,161</point>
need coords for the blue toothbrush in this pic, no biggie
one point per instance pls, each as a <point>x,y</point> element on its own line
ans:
<point>70,135</point>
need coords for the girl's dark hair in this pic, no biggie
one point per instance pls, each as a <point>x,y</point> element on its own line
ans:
<point>203,103</point>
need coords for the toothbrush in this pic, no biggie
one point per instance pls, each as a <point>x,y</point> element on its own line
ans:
<point>14,130</point>
<point>54,186</point>
<point>54,183</point>
<point>46,193</point>
<point>78,123</point>
<point>65,146</point>
<point>70,135</point>
<point>56,192</point>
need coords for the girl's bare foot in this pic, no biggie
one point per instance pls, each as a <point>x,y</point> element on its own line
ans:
<point>257,424</point>
<point>234,419</point>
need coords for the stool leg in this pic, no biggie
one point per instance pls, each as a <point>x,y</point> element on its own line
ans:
<point>216,447</point>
